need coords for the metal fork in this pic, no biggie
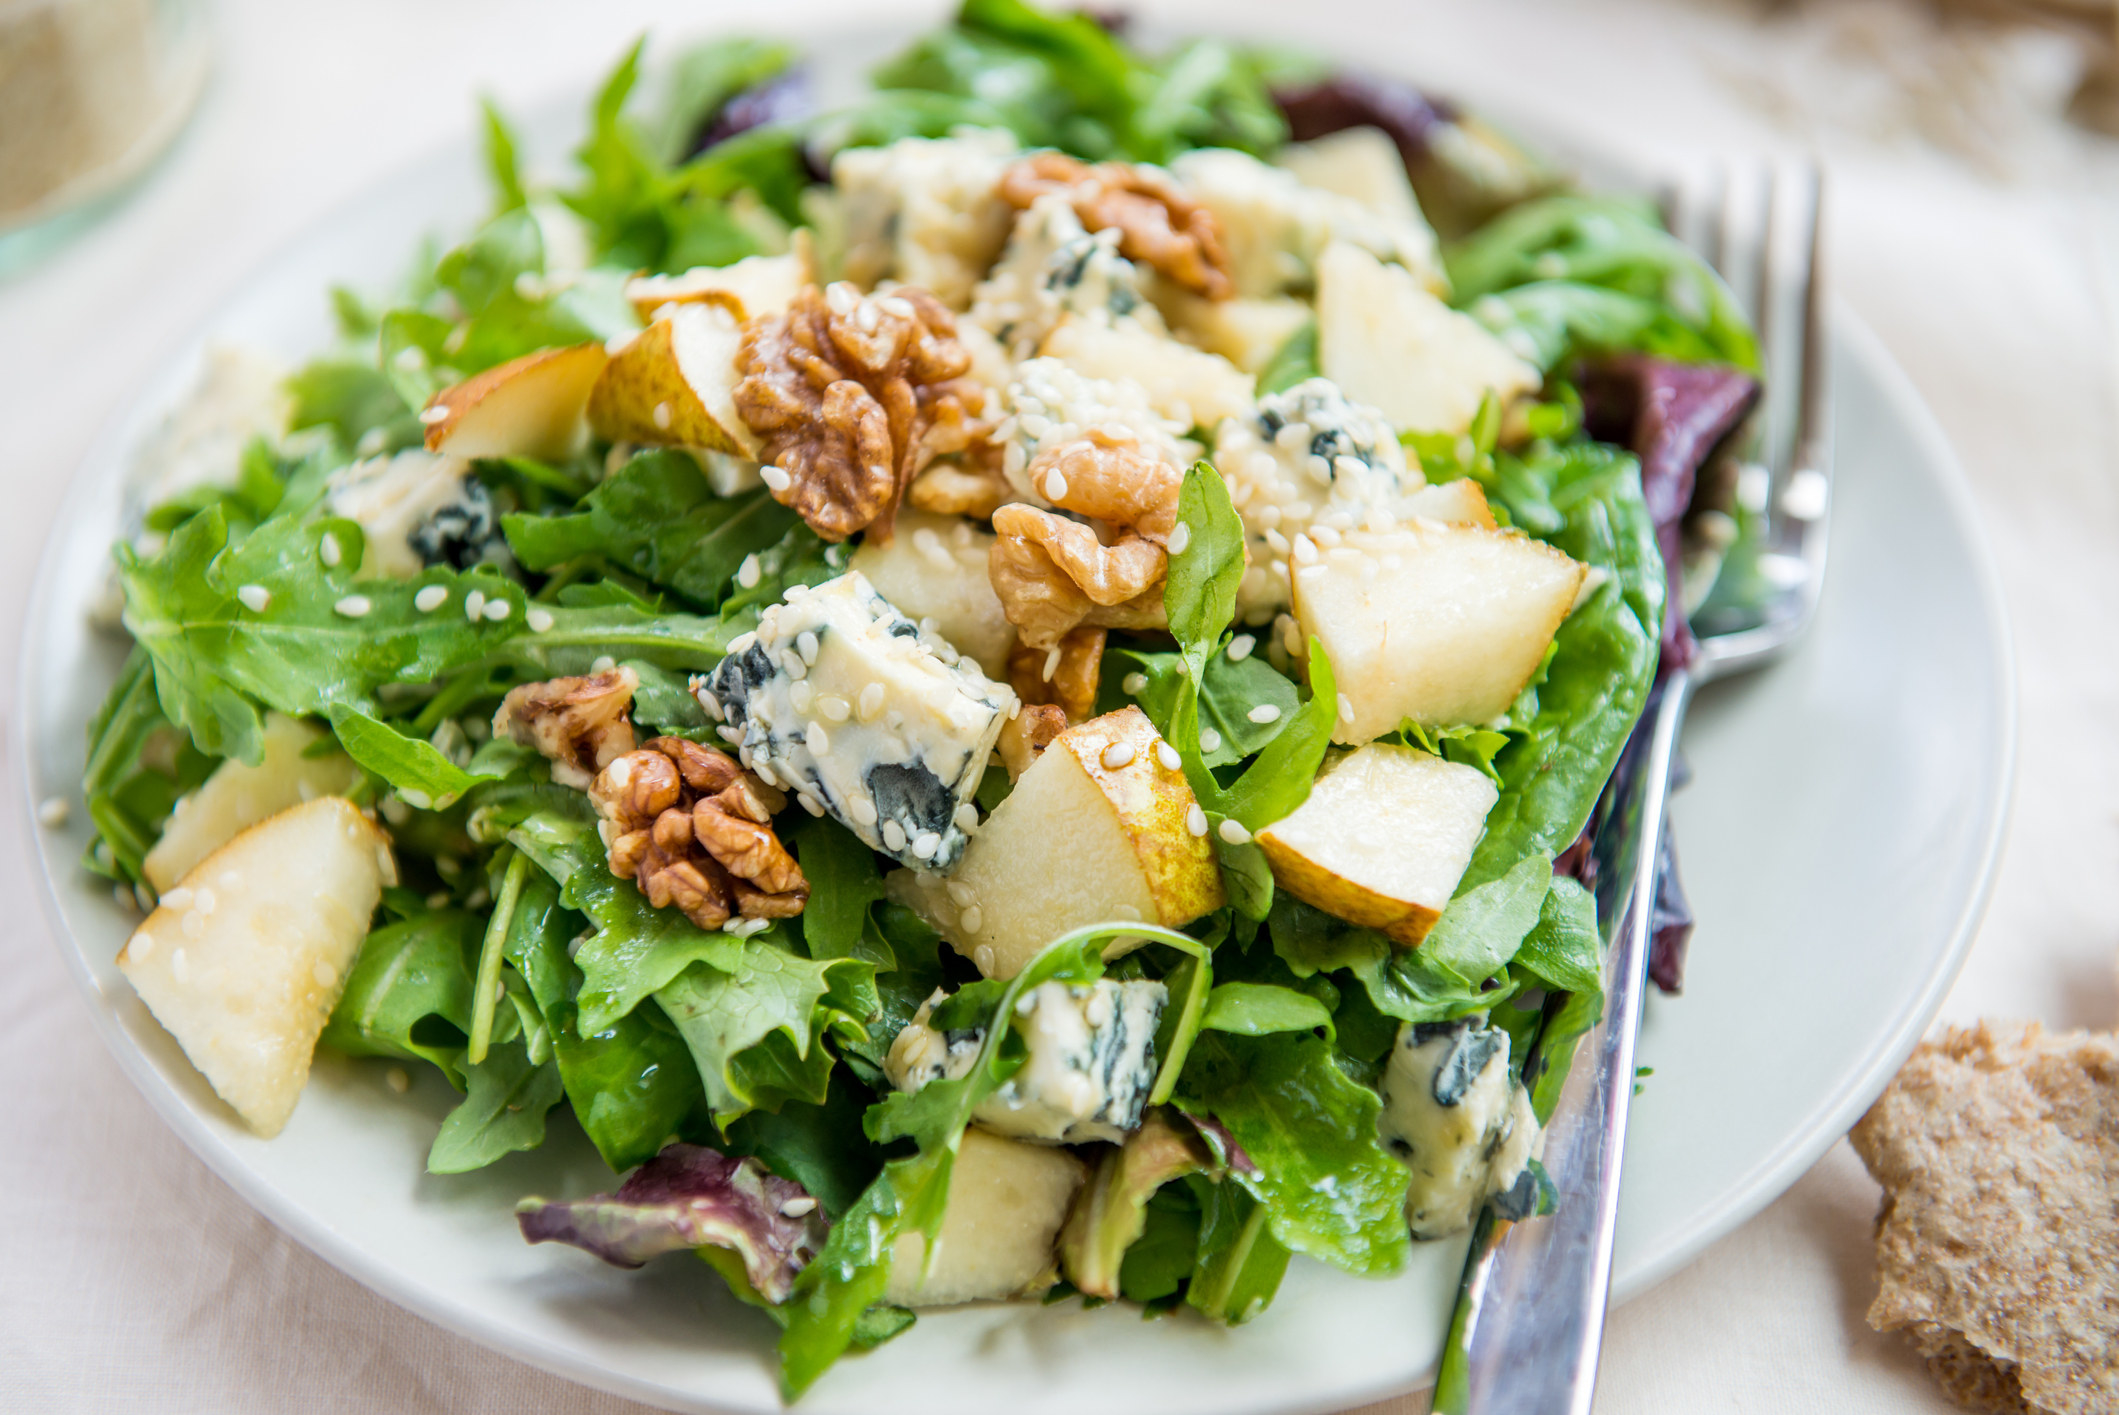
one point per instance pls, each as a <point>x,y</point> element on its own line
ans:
<point>1529,1325</point>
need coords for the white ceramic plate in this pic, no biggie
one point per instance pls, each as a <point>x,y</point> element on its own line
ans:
<point>1837,840</point>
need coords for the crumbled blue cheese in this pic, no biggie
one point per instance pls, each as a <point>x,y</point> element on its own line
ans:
<point>415,510</point>
<point>1089,1067</point>
<point>1453,1113</point>
<point>1048,403</point>
<point>1309,456</point>
<point>844,701</point>
<point>1055,267</point>
<point>1275,227</point>
<point>925,211</point>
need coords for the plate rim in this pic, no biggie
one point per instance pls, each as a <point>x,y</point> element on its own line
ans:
<point>146,400</point>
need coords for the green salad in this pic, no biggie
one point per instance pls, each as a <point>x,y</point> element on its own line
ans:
<point>980,685</point>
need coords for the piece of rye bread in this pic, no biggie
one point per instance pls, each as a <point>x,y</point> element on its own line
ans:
<point>1997,1147</point>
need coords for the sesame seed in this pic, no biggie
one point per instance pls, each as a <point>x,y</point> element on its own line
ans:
<point>398,1079</point>
<point>1055,486</point>
<point>1277,541</point>
<point>1052,662</point>
<point>178,898</point>
<point>815,739</point>
<point>474,605</point>
<point>1180,538</point>
<point>971,921</point>
<point>1305,550</point>
<point>254,598</point>
<point>1118,756</point>
<point>1167,755</point>
<point>965,817</point>
<point>661,415</point>
<point>328,551</point>
<point>742,642</point>
<point>430,598</point>
<point>1133,683</point>
<point>810,803</point>
<point>178,967</point>
<point>497,610</point>
<point>539,620</point>
<point>1196,821</point>
<point>439,899</point>
<point>806,645</point>
<point>1240,647</point>
<point>395,811</point>
<point>791,662</point>
<point>204,901</point>
<point>1209,740</point>
<point>1232,831</point>
<point>763,770</point>
<point>775,478</point>
<point>925,844</point>
<point>798,1208</point>
<point>439,413</point>
<point>603,663</point>
<point>1264,713</point>
<point>834,707</point>
<point>324,973</point>
<point>191,925</point>
<point>871,702</point>
<point>52,812</point>
<point>862,809</point>
<point>801,696</point>
<point>893,836</point>
<point>353,606</point>
<point>749,573</point>
<point>416,798</point>
<point>729,735</point>
<point>1346,708</point>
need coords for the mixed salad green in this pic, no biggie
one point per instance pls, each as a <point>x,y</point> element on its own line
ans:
<point>297,627</point>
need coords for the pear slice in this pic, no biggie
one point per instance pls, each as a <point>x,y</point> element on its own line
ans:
<point>1443,624</point>
<point>238,796</point>
<point>1191,387</point>
<point>1383,838</point>
<point>243,961</point>
<point>1246,332</point>
<point>1389,343</point>
<point>1097,829</point>
<point>755,285</point>
<point>674,385</point>
<point>1461,502</point>
<point>527,407</point>
<point>1362,163</point>
<point>1007,1200</point>
<point>935,567</point>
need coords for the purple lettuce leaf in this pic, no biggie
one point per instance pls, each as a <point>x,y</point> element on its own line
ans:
<point>691,1197</point>
<point>784,98</point>
<point>1671,924</point>
<point>1672,416</point>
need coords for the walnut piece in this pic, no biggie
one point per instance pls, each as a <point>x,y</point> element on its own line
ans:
<point>579,723</point>
<point>694,831</point>
<point>949,489</point>
<point>1053,574</point>
<point>1064,676</point>
<point>852,396</point>
<point>1157,222</point>
<point>1027,734</point>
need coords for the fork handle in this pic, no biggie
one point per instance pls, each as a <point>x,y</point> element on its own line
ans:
<point>1530,1315</point>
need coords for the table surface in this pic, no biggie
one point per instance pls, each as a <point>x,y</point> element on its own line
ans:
<point>1990,268</point>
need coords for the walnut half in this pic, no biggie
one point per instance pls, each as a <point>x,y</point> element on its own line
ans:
<point>852,396</point>
<point>1158,224</point>
<point>580,723</point>
<point>694,830</point>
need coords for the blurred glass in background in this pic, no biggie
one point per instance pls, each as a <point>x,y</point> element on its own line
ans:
<point>91,93</point>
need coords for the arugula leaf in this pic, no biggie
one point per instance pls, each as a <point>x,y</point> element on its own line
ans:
<point>1206,93</point>
<point>409,994</point>
<point>1483,927</point>
<point>660,520</point>
<point>1311,941</point>
<point>1240,1262</point>
<point>503,1111</point>
<point>1295,361</point>
<point>1199,593</point>
<point>1272,787</point>
<point>501,166</point>
<point>843,884</point>
<point>820,1147</point>
<point>632,1084</point>
<point>1259,1009</point>
<point>138,766</point>
<point>1554,322</point>
<point>416,769</point>
<point>703,79</point>
<point>1565,950</point>
<point>1328,1187</point>
<point>351,399</point>
<point>770,993</point>
<point>1162,1259</point>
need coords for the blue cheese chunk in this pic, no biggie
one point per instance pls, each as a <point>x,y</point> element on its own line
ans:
<point>860,712</point>
<point>1089,1068</point>
<point>417,509</point>
<point>1055,267</point>
<point>1309,456</point>
<point>1454,1115</point>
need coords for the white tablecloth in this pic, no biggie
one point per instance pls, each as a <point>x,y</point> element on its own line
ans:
<point>131,1278</point>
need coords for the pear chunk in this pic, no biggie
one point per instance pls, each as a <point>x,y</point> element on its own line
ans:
<point>755,285</point>
<point>1007,1200</point>
<point>528,407</point>
<point>238,796</point>
<point>1246,332</point>
<point>1439,623</point>
<point>935,567</point>
<point>244,960</point>
<point>1389,343</point>
<point>1461,502</point>
<point>1383,838</point>
<point>1097,829</point>
<point>1362,163</point>
<point>674,385</point>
